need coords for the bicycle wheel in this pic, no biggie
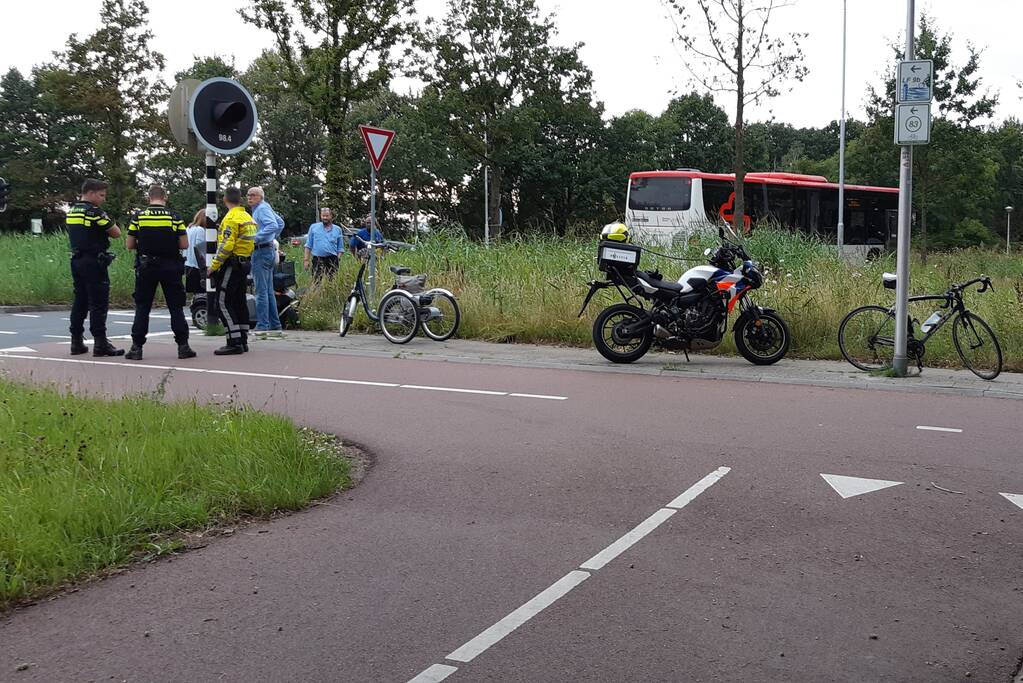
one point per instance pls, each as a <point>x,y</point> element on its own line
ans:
<point>866,338</point>
<point>442,322</point>
<point>977,345</point>
<point>399,317</point>
<point>348,314</point>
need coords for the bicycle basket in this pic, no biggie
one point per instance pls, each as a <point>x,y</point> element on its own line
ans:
<point>413,284</point>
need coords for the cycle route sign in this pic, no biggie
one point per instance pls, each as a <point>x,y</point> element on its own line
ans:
<point>914,89</point>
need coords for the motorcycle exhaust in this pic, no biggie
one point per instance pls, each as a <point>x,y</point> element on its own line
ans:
<point>661,333</point>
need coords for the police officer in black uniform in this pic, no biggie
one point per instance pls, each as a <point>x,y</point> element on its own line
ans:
<point>89,230</point>
<point>158,235</point>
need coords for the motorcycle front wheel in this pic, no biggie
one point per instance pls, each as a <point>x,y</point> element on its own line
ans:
<point>610,344</point>
<point>764,340</point>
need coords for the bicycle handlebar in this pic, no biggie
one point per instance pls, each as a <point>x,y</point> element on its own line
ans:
<point>983,280</point>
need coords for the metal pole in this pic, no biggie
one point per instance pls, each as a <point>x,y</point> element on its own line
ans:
<point>1008,224</point>
<point>372,233</point>
<point>900,361</point>
<point>841,148</point>
<point>211,233</point>
<point>486,186</point>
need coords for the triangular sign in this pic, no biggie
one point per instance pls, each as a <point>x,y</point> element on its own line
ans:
<point>378,141</point>
<point>1014,498</point>
<point>847,487</point>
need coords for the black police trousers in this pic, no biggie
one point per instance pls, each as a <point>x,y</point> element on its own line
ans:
<point>230,281</point>
<point>167,272</point>
<point>92,295</point>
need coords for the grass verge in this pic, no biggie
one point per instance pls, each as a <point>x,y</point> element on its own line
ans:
<point>88,484</point>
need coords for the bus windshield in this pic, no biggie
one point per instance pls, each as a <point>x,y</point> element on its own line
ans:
<point>660,194</point>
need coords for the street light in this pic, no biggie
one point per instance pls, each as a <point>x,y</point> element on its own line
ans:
<point>1008,224</point>
<point>841,149</point>
<point>317,186</point>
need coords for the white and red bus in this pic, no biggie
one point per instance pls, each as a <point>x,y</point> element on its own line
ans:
<point>662,205</point>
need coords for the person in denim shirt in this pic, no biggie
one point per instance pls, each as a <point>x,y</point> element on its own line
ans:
<point>269,229</point>
<point>324,246</point>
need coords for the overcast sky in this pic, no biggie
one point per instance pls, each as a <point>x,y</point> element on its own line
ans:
<point>628,45</point>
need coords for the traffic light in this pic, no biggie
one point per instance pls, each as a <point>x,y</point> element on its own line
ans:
<point>5,193</point>
<point>222,116</point>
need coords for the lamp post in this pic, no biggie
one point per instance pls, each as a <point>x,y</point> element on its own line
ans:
<point>316,200</point>
<point>1008,224</point>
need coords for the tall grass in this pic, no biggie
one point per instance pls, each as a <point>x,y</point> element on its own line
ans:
<point>85,484</point>
<point>529,290</point>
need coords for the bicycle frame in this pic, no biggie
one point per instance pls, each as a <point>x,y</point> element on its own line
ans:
<point>359,290</point>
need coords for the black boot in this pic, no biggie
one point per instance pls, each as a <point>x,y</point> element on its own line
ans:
<point>229,350</point>
<point>102,347</point>
<point>78,346</point>
<point>185,351</point>
<point>135,353</point>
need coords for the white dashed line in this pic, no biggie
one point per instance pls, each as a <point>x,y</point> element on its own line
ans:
<point>5,332</point>
<point>434,674</point>
<point>541,396</point>
<point>245,373</point>
<point>561,587</point>
<point>926,428</point>
<point>24,315</point>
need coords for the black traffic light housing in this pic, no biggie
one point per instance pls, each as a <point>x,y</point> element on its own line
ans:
<point>222,115</point>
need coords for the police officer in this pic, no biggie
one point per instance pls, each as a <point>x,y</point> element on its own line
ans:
<point>229,271</point>
<point>89,231</point>
<point>158,235</point>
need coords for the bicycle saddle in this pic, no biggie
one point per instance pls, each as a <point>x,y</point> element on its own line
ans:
<point>401,270</point>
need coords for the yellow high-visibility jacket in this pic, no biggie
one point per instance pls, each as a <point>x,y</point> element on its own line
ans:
<point>236,236</point>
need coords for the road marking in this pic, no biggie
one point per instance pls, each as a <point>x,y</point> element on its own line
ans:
<point>5,332</point>
<point>561,587</point>
<point>19,349</point>
<point>1014,498</point>
<point>457,391</point>
<point>24,315</point>
<point>517,618</point>
<point>927,428</point>
<point>122,322</point>
<point>59,336</point>
<point>540,396</point>
<point>245,373</point>
<point>434,674</point>
<point>118,336</point>
<point>847,487</point>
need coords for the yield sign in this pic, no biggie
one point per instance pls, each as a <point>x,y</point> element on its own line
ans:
<point>378,141</point>
<point>847,487</point>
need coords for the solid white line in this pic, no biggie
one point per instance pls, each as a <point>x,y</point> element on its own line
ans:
<point>939,429</point>
<point>58,336</point>
<point>129,364</point>
<point>348,381</point>
<point>123,322</point>
<point>495,633</point>
<point>541,396</point>
<point>434,674</point>
<point>457,391</point>
<point>698,488</point>
<point>24,315</point>
<point>130,314</point>
<point>628,540</point>
<point>5,332</point>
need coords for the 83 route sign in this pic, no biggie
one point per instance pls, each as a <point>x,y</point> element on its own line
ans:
<point>913,124</point>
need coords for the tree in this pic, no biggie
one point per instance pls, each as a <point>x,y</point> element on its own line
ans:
<point>109,79</point>
<point>339,55</point>
<point>491,71</point>
<point>735,54</point>
<point>695,134</point>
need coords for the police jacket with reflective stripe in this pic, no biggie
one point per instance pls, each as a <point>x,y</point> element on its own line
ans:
<point>87,226</point>
<point>157,230</point>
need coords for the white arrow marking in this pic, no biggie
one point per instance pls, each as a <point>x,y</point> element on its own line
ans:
<point>847,487</point>
<point>19,349</point>
<point>1014,498</point>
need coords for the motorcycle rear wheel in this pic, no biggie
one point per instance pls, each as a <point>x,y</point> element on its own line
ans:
<point>763,344</point>
<point>611,346</point>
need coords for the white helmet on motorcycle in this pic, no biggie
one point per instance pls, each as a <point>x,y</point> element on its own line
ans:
<point>616,232</point>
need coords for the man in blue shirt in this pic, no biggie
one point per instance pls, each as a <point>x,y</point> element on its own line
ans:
<point>264,255</point>
<point>324,245</point>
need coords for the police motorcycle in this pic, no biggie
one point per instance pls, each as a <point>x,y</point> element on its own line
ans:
<point>688,315</point>
<point>285,295</point>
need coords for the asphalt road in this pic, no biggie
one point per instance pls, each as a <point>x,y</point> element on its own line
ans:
<point>30,329</point>
<point>525,524</point>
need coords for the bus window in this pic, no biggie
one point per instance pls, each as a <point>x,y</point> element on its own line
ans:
<point>660,194</point>
<point>781,204</point>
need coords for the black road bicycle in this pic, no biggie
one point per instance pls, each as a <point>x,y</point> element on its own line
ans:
<point>867,335</point>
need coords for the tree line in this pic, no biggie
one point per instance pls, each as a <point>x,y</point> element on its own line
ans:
<point>498,90</point>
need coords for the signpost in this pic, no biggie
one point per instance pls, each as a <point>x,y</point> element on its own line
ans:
<point>913,92</point>
<point>378,143</point>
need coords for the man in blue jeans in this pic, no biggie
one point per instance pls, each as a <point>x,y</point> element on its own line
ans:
<point>269,228</point>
